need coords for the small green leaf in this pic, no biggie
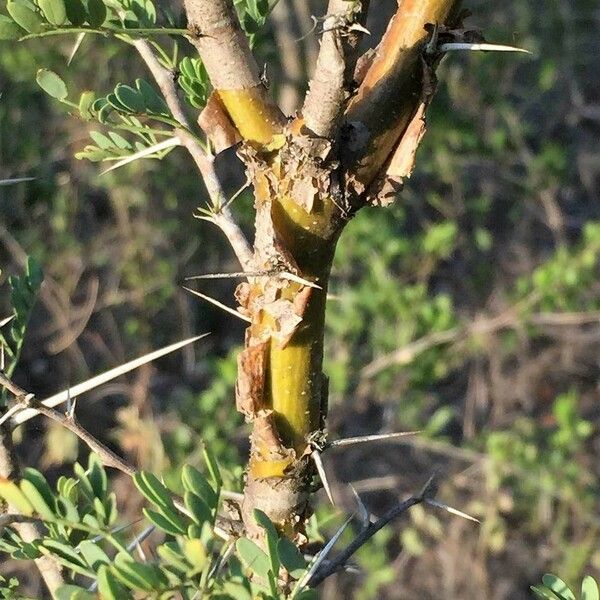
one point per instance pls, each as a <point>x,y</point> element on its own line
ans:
<point>93,554</point>
<point>253,557</point>
<point>131,99</point>
<point>64,551</point>
<point>168,526</point>
<point>558,586</point>
<point>543,593</point>
<point>86,101</point>
<point>102,141</point>
<point>11,493</point>
<point>36,500</point>
<point>195,553</point>
<point>201,512</point>
<point>9,30</point>
<point>96,12</point>
<point>272,538</point>
<point>67,510</point>
<point>154,103</point>
<point>73,592</point>
<point>291,558</point>
<point>52,84</point>
<point>138,576</point>
<point>75,12</point>
<point>25,17</point>
<point>54,11</point>
<point>35,275</point>
<point>195,482</point>
<point>171,554</point>
<point>153,490</point>
<point>589,589</point>
<point>213,467</point>
<point>109,588</point>
<point>97,476</point>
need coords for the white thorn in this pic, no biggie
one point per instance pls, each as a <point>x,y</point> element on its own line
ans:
<point>371,438</point>
<point>362,509</point>
<point>168,143</point>
<point>75,48</point>
<point>320,557</point>
<point>480,47</point>
<point>316,456</point>
<point>7,320</point>
<point>105,377</point>
<point>16,180</point>
<point>222,306</point>
<point>451,510</point>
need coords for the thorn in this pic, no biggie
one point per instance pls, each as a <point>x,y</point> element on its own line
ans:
<point>235,496</point>
<point>480,47</point>
<point>98,380</point>
<point>236,275</point>
<point>321,556</point>
<point>451,510</point>
<point>165,144</point>
<point>316,456</point>
<point>297,279</point>
<point>429,489</point>
<point>71,404</point>
<point>359,27</point>
<point>7,320</point>
<point>15,180</point>
<point>432,44</point>
<point>365,518</point>
<point>75,48</point>
<point>244,274</point>
<point>224,307</point>
<point>2,357</point>
<point>370,438</point>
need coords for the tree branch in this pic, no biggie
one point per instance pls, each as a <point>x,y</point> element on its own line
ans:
<point>106,455</point>
<point>331,85</point>
<point>233,72</point>
<point>369,531</point>
<point>204,162</point>
<point>393,86</point>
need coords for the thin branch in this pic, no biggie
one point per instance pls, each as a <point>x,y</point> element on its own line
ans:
<point>393,87</point>
<point>368,532</point>
<point>106,455</point>
<point>330,87</point>
<point>233,71</point>
<point>204,162</point>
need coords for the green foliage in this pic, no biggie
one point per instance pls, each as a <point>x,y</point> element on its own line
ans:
<point>193,80</point>
<point>50,17</point>
<point>555,588</point>
<point>80,531</point>
<point>23,293</point>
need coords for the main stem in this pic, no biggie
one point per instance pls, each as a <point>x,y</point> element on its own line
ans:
<point>281,386</point>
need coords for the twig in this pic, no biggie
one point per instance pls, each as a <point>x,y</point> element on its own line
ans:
<point>329,89</point>
<point>205,164</point>
<point>106,455</point>
<point>368,532</point>
<point>11,519</point>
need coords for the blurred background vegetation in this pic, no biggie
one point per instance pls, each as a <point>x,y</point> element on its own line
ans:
<point>469,310</point>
